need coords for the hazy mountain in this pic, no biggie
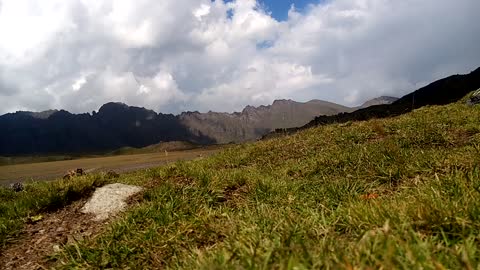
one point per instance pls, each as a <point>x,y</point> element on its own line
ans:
<point>117,125</point>
<point>254,122</point>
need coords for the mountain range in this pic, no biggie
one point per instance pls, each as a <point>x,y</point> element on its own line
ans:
<point>254,122</point>
<point>118,125</point>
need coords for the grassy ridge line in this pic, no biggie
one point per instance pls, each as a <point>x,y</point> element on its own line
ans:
<point>299,202</point>
<point>296,202</point>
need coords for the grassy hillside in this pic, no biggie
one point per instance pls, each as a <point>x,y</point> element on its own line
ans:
<point>400,193</point>
<point>444,91</point>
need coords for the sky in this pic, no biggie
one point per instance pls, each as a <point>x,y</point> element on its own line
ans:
<point>279,8</point>
<point>179,55</point>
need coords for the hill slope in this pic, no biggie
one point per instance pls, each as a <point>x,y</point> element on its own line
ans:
<point>440,92</point>
<point>378,101</point>
<point>400,192</point>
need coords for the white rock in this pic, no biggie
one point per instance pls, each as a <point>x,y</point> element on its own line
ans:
<point>109,200</point>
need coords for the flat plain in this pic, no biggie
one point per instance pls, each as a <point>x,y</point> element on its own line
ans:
<point>42,171</point>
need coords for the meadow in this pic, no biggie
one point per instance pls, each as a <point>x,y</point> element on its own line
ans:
<point>397,193</point>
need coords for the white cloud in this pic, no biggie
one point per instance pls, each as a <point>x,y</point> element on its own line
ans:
<point>175,55</point>
<point>79,83</point>
<point>202,11</point>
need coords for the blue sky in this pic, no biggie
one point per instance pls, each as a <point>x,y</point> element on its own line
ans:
<point>279,8</point>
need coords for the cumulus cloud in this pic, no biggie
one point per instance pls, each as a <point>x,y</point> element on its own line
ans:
<point>176,55</point>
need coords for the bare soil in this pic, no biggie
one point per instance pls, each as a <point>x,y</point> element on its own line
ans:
<point>49,235</point>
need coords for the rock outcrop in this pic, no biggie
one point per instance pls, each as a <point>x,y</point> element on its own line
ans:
<point>474,98</point>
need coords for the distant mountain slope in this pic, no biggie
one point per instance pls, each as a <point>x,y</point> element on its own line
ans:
<point>117,125</point>
<point>114,126</point>
<point>379,101</point>
<point>254,122</point>
<point>443,91</point>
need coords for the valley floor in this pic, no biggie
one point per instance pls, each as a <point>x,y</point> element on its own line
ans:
<point>120,163</point>
<point>398,193</point>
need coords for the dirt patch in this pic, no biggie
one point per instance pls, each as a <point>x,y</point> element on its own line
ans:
<point>182,181</point>
<point>153,183</point>
<point>235,194</point>
<point>463,137</point>
<point>48,235</point>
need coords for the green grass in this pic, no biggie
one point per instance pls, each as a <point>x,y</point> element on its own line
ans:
<point>16,207</point>
<point>298,202</point>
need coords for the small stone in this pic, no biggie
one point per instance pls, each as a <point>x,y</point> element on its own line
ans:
<point>70,240</point>
<point>474,98</point>
<point>79,172</point>
<point>78,237</point>
<point>60,229</point>
<point>17,187</point>
<point>69,175</point>
<point>56,248</point>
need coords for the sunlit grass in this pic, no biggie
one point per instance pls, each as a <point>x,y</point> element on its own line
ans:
<point>15,207</point>
<point>392,193</point>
